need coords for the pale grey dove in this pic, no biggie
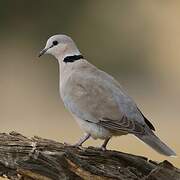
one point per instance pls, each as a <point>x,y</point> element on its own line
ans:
<point>96,100</point>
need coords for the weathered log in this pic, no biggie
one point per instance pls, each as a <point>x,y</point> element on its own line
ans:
<point>43,159</point>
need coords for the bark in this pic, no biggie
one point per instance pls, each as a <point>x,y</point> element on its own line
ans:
<point>43,159</point>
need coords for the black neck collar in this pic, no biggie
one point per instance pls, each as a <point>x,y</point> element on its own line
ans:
<point>71,59</point>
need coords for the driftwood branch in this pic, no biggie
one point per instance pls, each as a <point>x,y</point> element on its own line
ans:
<point>42,159</point>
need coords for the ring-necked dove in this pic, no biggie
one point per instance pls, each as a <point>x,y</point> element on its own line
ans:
<point>96,100</point>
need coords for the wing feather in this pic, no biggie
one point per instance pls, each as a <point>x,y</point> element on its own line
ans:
<point>95,96</point>
<point>123,124</point>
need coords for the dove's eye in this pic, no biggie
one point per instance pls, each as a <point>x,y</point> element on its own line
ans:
<point>54,43</point>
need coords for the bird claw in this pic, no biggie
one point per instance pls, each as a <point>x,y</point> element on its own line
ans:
<point>76,145</point>
<point>103,148</point>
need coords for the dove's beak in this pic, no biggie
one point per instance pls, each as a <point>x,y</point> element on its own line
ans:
<point>42,52</point>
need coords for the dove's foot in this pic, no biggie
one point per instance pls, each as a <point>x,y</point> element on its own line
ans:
<point>103,147</point>
<point>80,142</point>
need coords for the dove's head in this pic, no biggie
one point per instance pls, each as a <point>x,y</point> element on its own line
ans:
<point>60,46</point>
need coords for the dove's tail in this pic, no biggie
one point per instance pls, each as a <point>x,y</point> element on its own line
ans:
<point>154,142</point>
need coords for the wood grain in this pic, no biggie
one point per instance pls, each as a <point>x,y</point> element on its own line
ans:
<point>22,158</point>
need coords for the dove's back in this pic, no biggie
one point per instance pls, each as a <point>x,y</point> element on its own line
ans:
<point>94,97</point>
<point>93,94</point>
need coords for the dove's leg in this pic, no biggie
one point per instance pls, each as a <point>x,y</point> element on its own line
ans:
<point>103,147</point>
<point>83,139</point>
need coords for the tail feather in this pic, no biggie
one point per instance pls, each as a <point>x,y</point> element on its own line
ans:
<point>154,142</point>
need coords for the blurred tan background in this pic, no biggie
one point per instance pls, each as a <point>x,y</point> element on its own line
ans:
<point>137,41</point>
